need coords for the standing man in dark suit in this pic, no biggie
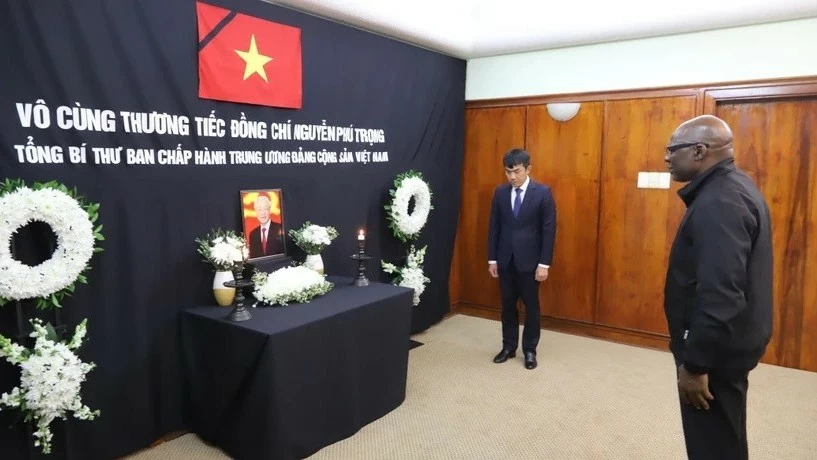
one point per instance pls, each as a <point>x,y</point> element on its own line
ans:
<point>267,238</point>
<point>521,234</point>
<point>718,293</point>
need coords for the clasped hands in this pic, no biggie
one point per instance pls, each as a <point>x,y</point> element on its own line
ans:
<point>541,272</point>
<point>694,389</point>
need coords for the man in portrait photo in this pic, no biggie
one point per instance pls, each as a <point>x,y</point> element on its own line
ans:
<point>266,239</point>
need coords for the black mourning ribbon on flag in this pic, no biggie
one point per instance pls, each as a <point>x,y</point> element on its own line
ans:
<point>209,37</point>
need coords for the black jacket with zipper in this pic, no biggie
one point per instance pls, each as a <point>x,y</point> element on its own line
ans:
<point>718,291</point>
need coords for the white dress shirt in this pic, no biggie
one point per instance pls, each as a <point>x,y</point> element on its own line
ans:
<point>524,188</point>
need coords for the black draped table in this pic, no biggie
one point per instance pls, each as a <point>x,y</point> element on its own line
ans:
<point>295,379</point>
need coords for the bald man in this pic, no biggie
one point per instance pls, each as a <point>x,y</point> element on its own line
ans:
<point>718,292</point>
<point>267,239</point>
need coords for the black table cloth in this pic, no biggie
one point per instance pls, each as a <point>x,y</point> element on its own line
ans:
<point>295,379</point>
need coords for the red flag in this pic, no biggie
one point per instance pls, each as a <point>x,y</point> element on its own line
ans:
<point>246,59</point>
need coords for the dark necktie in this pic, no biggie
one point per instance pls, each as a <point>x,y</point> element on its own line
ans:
<point>517,202</point>
<point>263,241</point>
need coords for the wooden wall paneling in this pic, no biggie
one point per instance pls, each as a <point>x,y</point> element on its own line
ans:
<point>637,226</point>
<point>455,272</point>
<point>579,328</point>
<point>752,89</point>
<point>808,341</point>
<point>776,143</point>
<point>489,133</point>
<point>585,97</point>
<point>566,156</point>
<point>761,91</point>
<point>775,126</point>
<point>455,276</point>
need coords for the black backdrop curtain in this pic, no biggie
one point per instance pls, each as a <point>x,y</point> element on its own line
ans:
<point>141,56</point>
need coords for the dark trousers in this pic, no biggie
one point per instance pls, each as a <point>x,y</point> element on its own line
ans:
<point>513,285</point>
<point>720,432</point>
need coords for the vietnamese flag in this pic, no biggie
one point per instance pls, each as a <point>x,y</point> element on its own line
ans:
<point>246,59</point>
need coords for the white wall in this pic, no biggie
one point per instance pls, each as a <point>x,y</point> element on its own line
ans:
<point>776,50</point>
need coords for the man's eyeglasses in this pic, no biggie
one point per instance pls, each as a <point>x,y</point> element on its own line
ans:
<point>674,147</point>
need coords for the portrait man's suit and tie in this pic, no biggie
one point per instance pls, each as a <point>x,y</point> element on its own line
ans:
<point>521,238</point>
<point>267,239</point>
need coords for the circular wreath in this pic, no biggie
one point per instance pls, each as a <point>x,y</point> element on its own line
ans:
<point>406,226</point>
<point>72,221</point>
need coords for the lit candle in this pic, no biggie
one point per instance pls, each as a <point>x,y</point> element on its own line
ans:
<point>361,241</point>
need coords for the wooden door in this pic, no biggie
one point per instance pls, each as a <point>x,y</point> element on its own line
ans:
<point>637,226</point>
<point>489,134</point>
<point>776,143</point>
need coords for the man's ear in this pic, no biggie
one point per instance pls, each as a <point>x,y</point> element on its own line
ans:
<point>700,152</point>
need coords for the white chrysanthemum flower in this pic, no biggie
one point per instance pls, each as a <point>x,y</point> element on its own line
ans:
<point>316,234</point>
<point>411,275</point>
<point>222,253</point>
<point>75,242</point>
<point>50,381</point>
<point>415,279</point>
<point>411,224</point>
<point>313,238</point>
<point>291,284</point>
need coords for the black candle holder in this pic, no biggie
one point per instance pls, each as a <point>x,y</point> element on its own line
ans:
<point>239,311</point>
<point>361,258</point>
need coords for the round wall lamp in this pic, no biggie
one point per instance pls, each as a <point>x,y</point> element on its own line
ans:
<point>563,111</point>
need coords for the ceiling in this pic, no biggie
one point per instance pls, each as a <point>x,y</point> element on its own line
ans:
<point>478,28</point>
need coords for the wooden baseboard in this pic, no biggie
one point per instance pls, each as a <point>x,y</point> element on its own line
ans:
<point>642,339</point>
<point>166,438</point>
<point>169,437</point>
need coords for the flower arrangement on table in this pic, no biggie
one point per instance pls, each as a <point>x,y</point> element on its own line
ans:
<point>50,381</point>
<point>223,249</point>
<point>71,219</point>
<point>411,275</point>
<point>313,239</point>
<point>287,285</point>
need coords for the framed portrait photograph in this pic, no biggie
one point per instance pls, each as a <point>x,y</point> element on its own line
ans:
<point>262,216</point>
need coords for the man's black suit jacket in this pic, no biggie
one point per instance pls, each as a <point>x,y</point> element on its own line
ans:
<point>275,241</point>
<point>528,238</point>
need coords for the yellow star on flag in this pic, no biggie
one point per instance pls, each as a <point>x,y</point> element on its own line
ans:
<point>255,61</point>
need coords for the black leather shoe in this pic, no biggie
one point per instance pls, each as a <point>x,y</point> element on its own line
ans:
<point>530,360</point>
<point>503,356</point>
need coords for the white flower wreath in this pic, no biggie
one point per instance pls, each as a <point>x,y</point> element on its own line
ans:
<point>72,223</point>
<point>409,185</point>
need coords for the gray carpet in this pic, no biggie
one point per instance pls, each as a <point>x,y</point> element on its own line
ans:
<point>588,399</point>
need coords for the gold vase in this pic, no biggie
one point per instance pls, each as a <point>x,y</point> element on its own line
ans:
<point>224,295</point>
